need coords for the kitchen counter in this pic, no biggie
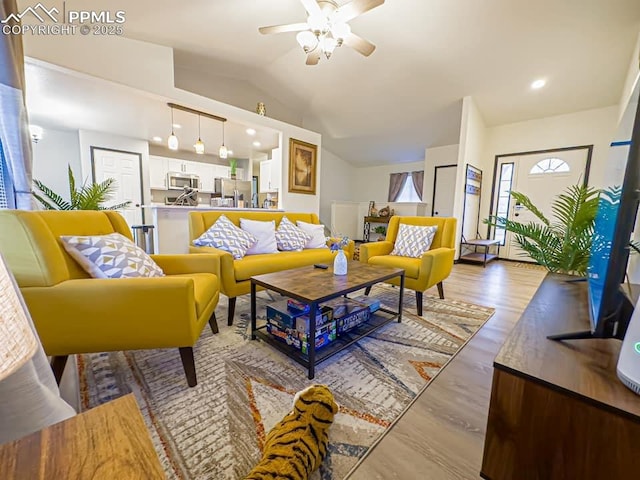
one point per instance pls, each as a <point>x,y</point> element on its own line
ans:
<point>171,232</point>
<point>161,206</point>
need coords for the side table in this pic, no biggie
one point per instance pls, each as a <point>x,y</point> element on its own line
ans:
<point>367,225</point>
<point>480,257</point>
<point>109,441</point>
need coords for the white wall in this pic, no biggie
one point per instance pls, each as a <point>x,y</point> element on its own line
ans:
<point>90,139</point>
<point>473,137</point>
<point>337,179</point>
<point>372,183</point>
<point>149,68</point>
<point>590,127</point>
<point>52,154</point>
<point>435,157</point>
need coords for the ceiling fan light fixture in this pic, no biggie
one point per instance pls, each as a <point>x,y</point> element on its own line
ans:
<point>340,31</point>
<point>307,40</point>
<point>329,44</point>
<point>318,24</point>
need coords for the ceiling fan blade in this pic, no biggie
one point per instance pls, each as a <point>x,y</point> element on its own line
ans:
<point>313,58</point>
<point>359,44</point>
<point>291,27</point>
<point>354,8</point>
<point>311,6</point>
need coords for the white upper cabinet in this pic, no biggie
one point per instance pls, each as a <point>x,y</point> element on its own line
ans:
<point>265,176</point>
<point>158,168</point>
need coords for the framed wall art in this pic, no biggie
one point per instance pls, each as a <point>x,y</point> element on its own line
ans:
<point>302,167</point>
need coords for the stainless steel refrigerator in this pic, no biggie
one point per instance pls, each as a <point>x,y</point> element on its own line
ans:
<point>236,189</point>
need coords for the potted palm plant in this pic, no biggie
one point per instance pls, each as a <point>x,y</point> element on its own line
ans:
<point>86,197</point>
<point>562,244</point>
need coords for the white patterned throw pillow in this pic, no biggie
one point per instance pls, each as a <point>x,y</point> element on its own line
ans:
<point>413,240</point>
<point>316,232</point>
<point>110,256</point>
<point>265,233</point>
<point>223,234</point>
<point>289,237</point>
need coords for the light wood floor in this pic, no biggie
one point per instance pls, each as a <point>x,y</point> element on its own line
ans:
<point>441,435</point>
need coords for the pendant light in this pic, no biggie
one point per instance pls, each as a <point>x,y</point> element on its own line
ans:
<point>223,152</point>
<point>199,146</point>
<point>172,141</point>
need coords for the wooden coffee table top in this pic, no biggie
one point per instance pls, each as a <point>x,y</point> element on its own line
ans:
<point>311,284</point>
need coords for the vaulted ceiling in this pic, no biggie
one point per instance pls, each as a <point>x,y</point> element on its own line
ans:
<point>407,95</point>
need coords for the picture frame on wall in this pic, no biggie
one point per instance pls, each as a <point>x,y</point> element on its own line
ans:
<point>302,167</point>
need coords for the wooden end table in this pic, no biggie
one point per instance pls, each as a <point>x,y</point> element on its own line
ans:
<point>480,257</point>
<point>314,286</point>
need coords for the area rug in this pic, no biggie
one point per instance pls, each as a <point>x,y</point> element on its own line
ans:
<point>216,429</point>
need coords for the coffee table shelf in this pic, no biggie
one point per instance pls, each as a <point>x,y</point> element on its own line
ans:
<point>378,319</point>
<point>315,286</point>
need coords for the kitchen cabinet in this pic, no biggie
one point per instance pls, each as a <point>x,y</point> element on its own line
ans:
<point>240,174</point>
<point>175,165</point>
<point>276,168</point>
<point>158,168</point>
<point>269,176</point>
<point>206,172</point>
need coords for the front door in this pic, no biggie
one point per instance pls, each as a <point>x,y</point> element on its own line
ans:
<point>125,168</point>
<point>542,176</point>
<point>444,187</point>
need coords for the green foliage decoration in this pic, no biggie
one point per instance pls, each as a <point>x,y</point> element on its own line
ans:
<point>87,197</point>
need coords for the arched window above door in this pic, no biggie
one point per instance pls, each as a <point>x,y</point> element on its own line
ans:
<point>550,165</point>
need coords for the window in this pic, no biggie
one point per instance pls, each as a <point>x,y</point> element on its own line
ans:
<point>408,192</point>
<point>550,165</point>
<point>504,196</point>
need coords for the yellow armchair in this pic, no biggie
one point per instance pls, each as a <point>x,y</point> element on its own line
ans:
<point>420,273</point>
<point>74,313</point>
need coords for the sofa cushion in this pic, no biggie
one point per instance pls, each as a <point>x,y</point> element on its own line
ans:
<point>316,231</point>
<point>411,265</point>
<point>413,240</point>
<point>223,234</point>
<point>290,237</point>
<point>253,265</point>
<point>265,233</point>
<point>110,256</point>
<point>205,288</point>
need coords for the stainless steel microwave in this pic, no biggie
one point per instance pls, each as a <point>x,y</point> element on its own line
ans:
<point>177,181</point>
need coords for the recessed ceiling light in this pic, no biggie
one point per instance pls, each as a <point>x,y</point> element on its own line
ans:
<point>229,152</point>
<point>256,144</point>
<point>157,139</point>
<point>251,131</point>
<point>538,84</point>
<point>177,125</point>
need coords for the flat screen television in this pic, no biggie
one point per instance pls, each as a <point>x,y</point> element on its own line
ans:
<point>610,307</point>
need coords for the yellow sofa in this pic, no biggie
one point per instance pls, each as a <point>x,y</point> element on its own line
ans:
<point>74,313</point>
<point>235,274</point>
<point>420,273</point>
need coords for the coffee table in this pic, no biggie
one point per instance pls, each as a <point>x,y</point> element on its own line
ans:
<point>315,286</point>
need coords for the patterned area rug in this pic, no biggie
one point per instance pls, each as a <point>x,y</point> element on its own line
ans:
<point>216,429</point>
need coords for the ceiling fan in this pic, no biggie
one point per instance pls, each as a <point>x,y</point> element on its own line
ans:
<point>327,27</point>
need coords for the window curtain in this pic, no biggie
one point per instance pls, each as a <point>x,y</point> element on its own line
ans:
<point>418,180</point>
<point>396,181</point>
<point>14,125</point>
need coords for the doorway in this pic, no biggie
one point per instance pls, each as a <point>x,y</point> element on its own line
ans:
<point>126,168</point>
<point>444,186</point>
<point>541,175</point>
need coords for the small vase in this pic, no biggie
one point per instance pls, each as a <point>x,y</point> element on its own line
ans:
<point>261,109</point>
<point>340,263</point>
